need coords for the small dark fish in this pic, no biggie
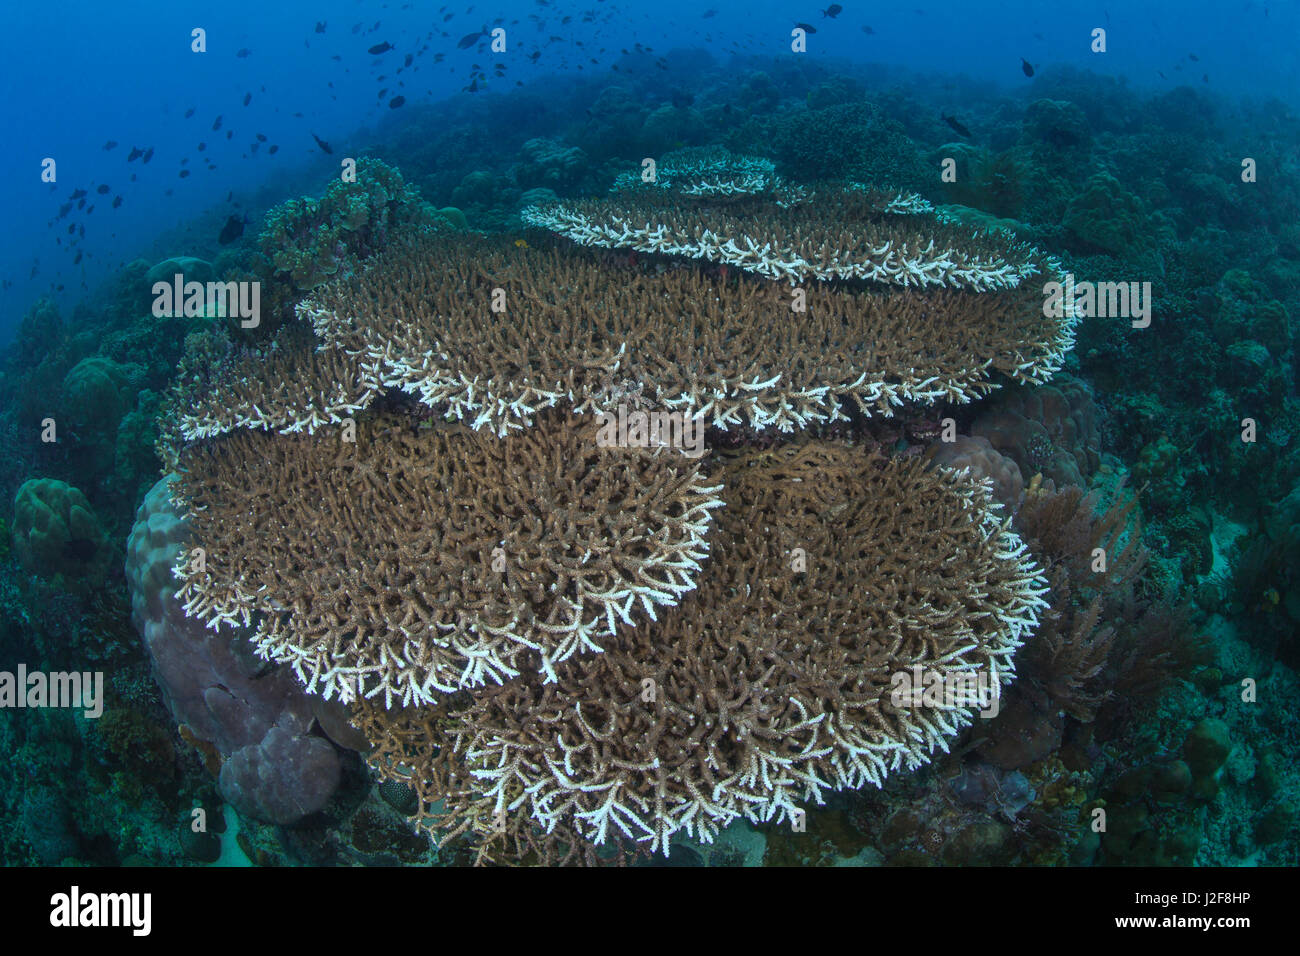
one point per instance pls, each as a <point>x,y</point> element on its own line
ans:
<point>469,39</point>
<point>682,99</point>
<point>77,261</point>
<point>833,11</point>
<point>535,55</point>
<point>379,48</point>
<point>261,137</point>
<point>951,121</point>
<point>396,101</point>
<point>189,112</point>
<point>410,58</point>
<point>273,150</point>
<point>202,147</point>
<point>243,53</point>
<point>184,173</point>
<point>148,155</point>
<point>472,88</point>
<point>1205,77</point>
<point>117,201</point>
<point>708,14</point>
<point>72,228</point>
<point>136,153</point>
<point>110,144</point>
<point>78,194</point>
<point>248,98</point>
<point>868,31</point>
<point>325,147</point>
<point>103,188</point>
<point>230,133</point>
<point>805,27</point>
<point>64,210</point>
<point>1194,58</point>
<point>232,230</point>
<point>216,124</point>
<point>320,27</point>
<point>1026,66</point>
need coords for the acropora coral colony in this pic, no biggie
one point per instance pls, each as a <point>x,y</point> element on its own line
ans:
<point>570,650</point>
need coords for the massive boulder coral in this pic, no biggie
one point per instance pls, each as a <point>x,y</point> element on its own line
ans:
<point>416,560</point>
<point>96,393</point>
<point>833,571</point>
<point>978,455</point>
<point>255,722</point>
<point>56,534</point>
<point>1054,430</point>
<point>549,164</point>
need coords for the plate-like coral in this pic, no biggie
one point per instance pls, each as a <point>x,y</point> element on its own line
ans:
<point>416,560</point>
<point>832,572</point>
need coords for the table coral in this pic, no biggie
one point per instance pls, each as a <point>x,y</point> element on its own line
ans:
<point>771,685</point>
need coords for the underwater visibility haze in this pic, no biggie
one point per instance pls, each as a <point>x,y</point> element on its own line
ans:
<point>766,434</point>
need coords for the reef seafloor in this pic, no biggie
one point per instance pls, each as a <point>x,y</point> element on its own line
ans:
<point>698,483</point>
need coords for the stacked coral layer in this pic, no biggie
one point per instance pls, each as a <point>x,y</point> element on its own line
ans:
<point>840,234</point>
<point>832,571</point>
<point>559,644</point>
<point>730,349</point>
<point>289,386</point>
<point>414,561</point>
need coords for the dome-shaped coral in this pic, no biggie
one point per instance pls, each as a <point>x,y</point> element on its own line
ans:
<point>256,722</point>
<point>56,533</point>
<point>96,394</point>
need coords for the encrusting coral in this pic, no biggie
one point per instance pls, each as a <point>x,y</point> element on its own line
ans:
<point>416,560</point>
<point>770,685</point>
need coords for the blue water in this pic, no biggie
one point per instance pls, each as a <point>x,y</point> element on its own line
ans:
<point>79,74</point>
